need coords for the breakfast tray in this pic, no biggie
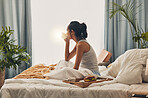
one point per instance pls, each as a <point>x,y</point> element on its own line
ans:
<point>81,83</point>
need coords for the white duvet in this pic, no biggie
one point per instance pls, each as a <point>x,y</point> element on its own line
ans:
<point>64,70</point>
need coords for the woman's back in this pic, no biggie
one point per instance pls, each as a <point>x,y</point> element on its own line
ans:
<point>89,59</point>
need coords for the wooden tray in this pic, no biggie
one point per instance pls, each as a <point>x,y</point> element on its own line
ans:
<point>85,84</point>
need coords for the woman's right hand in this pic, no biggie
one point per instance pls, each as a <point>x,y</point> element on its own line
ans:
<point>66,39</point>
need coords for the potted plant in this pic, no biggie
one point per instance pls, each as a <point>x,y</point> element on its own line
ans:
<point>11,55</point>
<point>139,36</point>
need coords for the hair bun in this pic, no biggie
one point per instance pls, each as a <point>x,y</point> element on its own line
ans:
<point>84,27</point>
<point>84,31</point>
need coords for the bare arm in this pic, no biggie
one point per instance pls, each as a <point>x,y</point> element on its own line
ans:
<point>68,55</point>
<point>79,54</point>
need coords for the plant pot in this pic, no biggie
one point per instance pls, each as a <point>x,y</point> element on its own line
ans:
<point>2,77</point>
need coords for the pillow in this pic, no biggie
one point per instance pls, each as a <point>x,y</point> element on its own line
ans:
<point>127,68</point>
<point>114,67</point>
<point>144,77</point>
<point>130,74</point>
<point>131,66</point>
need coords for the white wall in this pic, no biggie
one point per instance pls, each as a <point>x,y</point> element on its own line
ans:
<point>51,17</point>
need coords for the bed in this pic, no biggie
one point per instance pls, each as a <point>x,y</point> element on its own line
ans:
<point>43,87</point>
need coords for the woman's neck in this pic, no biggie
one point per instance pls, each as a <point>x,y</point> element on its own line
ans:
<point>75,40</point>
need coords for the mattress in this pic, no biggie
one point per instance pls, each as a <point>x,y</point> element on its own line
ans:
<point>139,89</point>
<point>41,88</point>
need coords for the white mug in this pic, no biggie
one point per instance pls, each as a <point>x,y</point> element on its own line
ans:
<point>64,36</point>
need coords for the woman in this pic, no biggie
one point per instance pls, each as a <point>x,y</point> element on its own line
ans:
<point>85,55</point>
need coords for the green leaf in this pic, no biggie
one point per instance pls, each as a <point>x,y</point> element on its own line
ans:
<point>12,55</point>
<point>145,36</point>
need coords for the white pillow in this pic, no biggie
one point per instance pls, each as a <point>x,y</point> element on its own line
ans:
<point>131,66</point>
<point>114,67</point>
<point>130,75</point>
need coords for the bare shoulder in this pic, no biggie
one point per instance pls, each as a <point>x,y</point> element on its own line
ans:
<point>82,43</point>
<point>83,46</point>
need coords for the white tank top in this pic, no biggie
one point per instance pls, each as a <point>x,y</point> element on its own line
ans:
<point>89,59</point>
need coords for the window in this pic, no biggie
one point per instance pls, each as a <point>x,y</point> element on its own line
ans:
<point>51,17</point>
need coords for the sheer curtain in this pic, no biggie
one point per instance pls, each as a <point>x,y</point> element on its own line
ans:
<point>17,15</point>
<point>118,36</point>
<point>51,18</point>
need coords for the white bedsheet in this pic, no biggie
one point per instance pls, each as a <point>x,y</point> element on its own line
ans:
<point>39,88</point>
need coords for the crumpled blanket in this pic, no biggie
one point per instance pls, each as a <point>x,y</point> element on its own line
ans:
<point>61,70</point>
<point>36,71</point>
<point>64,70</point>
